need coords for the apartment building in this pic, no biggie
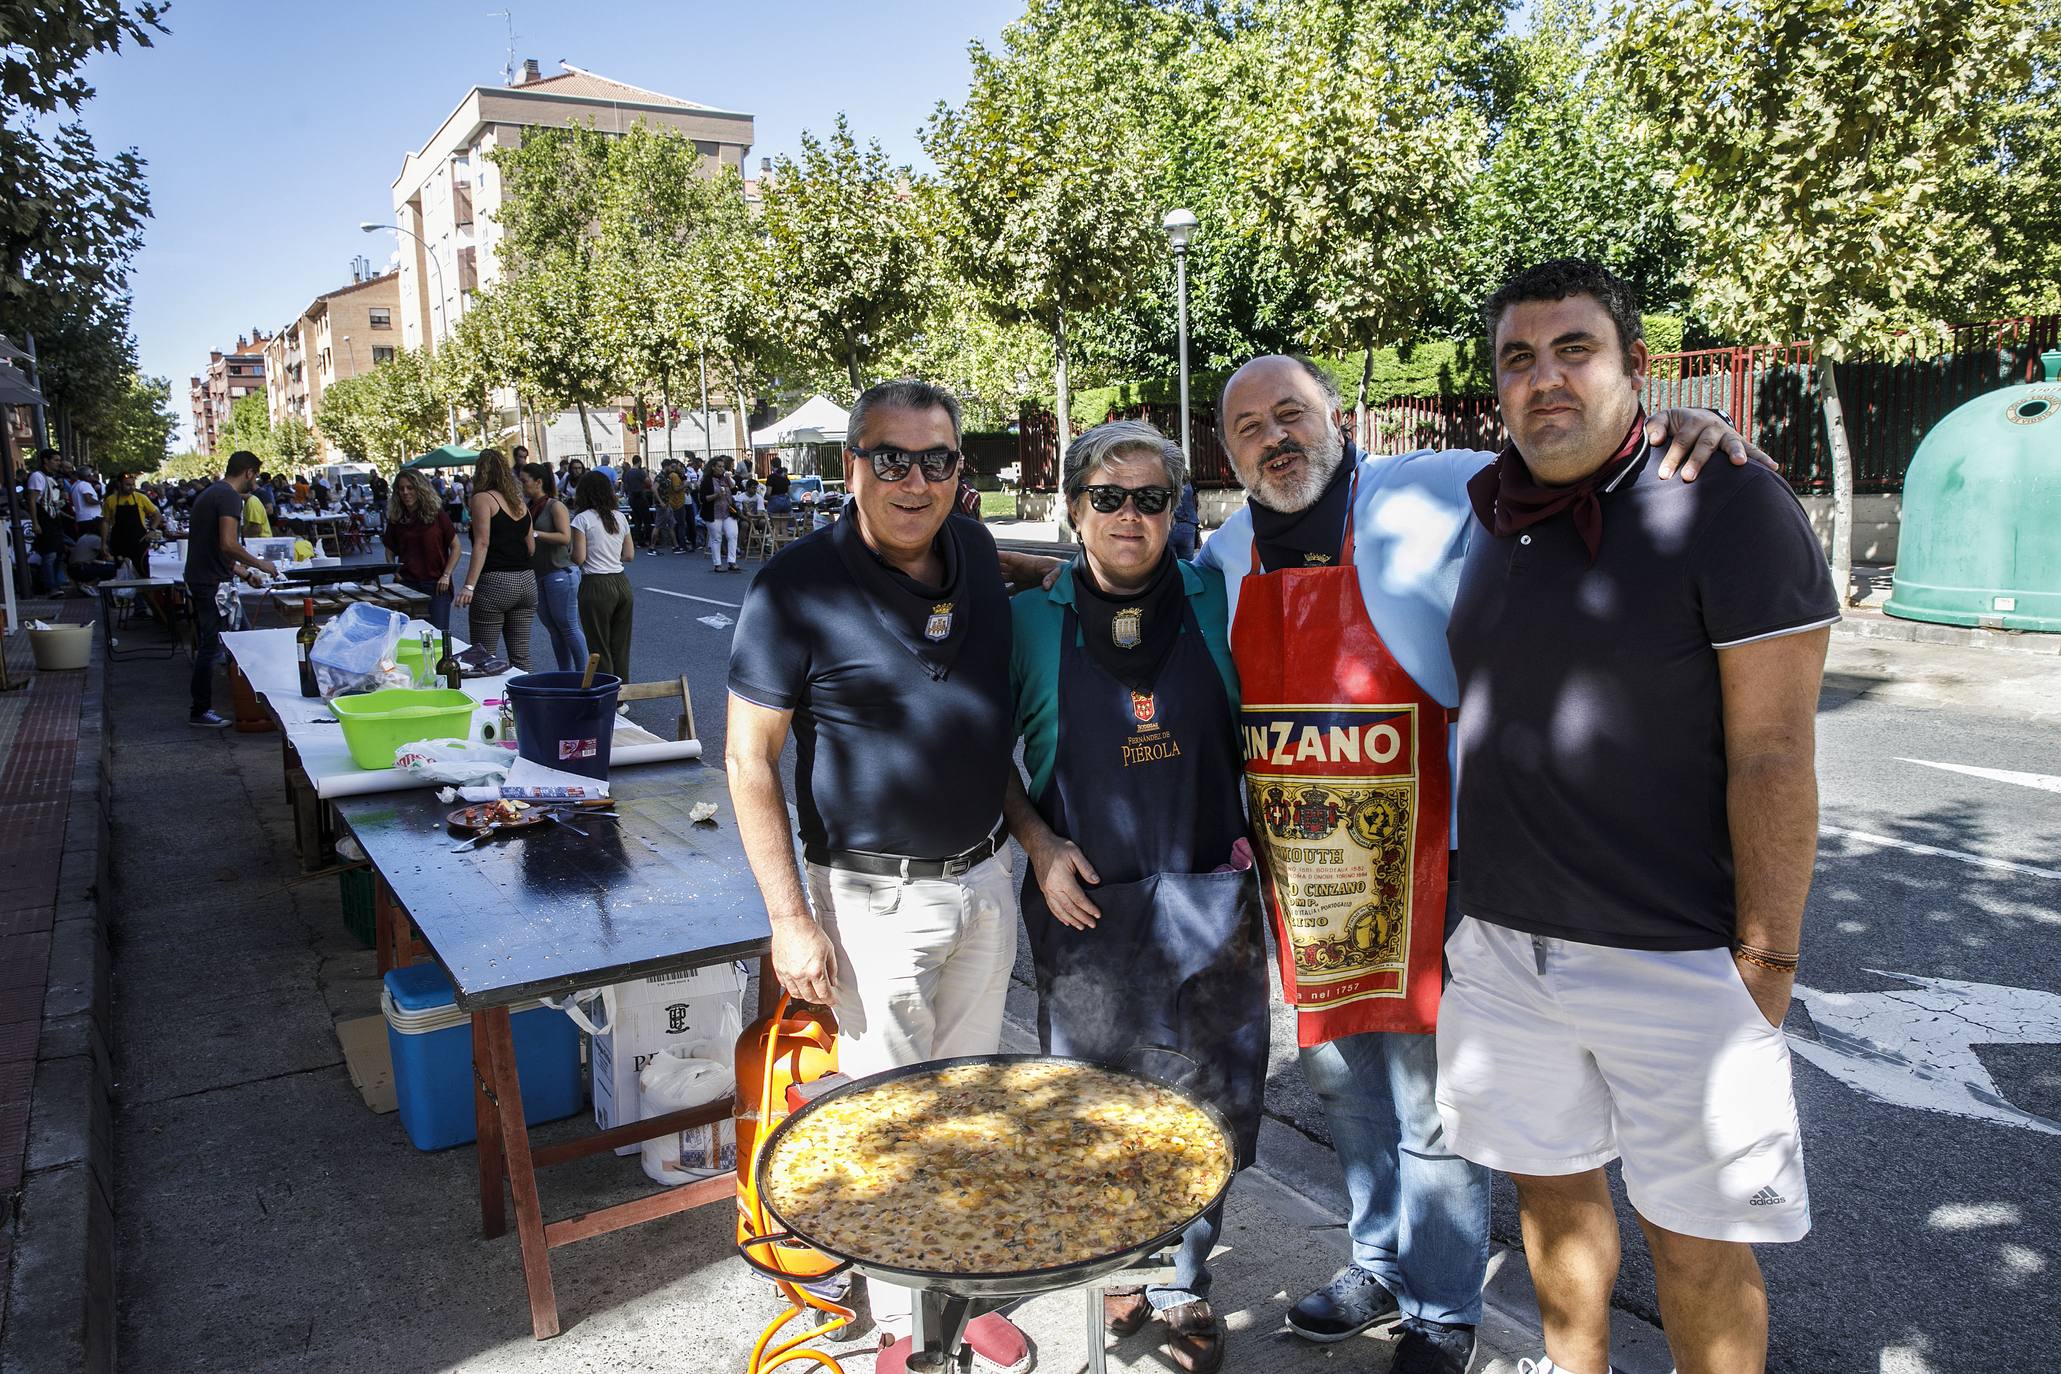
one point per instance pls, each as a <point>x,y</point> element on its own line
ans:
<point>342,333</point>
<point>448,192</point>
<point>230,376</point>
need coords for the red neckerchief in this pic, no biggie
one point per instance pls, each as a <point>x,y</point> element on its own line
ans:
<point>1507,498</point>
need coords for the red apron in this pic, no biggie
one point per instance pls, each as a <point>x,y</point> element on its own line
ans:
<point>1347,787</point>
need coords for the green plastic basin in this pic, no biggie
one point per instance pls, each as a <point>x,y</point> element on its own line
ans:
<point>377,724</point>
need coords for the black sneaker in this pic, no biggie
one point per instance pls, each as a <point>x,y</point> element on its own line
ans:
<point>1353,1301</point>
<point>207,720</point>
<point>1427,1347</point>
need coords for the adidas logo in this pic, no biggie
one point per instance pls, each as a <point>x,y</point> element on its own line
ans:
<point>1766,1197</point>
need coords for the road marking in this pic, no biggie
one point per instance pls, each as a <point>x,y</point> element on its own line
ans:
<point>1958,856</point>
<point>685,597</point>
<point>1914,1047</point>
<point>716,621</point>
<point>2044,782</point>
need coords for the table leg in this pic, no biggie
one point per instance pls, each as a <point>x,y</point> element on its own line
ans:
<point>383,935</point>
<point>493,1219</point>
<point>522,1175</point>
<point>250,718</point>
<point>769,987</point>
<point>1098,1340</point>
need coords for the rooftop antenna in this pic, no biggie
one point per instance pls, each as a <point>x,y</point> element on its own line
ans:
<point>509,69</point>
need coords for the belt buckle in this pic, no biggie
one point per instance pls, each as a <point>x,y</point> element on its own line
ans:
<point>959,867</point>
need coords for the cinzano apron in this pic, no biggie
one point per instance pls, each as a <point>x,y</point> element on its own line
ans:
<point>1348,790</point>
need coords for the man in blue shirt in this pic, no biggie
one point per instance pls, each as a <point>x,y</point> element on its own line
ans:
<point>1341,573</point>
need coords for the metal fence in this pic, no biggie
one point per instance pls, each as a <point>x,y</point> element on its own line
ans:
<point>1769,390</point>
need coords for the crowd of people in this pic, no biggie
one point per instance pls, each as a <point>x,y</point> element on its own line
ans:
<point>1271,735</point>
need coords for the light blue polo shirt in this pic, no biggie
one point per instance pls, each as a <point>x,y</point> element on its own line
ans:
<point>1411,523</point>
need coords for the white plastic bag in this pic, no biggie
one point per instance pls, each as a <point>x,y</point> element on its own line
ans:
<point>673,1081</point>
<point>355,649</point>
<point>456,761</point>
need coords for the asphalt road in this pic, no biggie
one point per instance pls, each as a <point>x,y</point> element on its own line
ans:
<point>1931,1114</point>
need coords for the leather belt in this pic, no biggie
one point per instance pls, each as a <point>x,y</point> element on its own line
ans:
<point>900,866</point>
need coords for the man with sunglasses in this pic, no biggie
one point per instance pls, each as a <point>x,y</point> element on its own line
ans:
<point>881,643</point>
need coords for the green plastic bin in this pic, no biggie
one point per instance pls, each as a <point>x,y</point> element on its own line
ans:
<point>377,724</point>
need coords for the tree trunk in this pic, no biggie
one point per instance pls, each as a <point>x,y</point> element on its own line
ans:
<point>586,432</point>
<point>665,398</point>
<point>740,430</point>
<point>643,431</point>
<point>1362,431</point>
<point>1842,481</point>
<point>1062,411</point>
<point>851,367</point>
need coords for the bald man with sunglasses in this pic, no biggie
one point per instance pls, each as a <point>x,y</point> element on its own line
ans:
<point>881,643</point>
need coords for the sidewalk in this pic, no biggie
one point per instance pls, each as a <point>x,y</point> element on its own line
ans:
<point>267,1220</point>
<point>56,1199</point>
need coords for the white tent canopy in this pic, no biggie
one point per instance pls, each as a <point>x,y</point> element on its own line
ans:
<point>818,420</point>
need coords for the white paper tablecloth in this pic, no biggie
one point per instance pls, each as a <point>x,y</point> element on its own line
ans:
<point>270,661</point>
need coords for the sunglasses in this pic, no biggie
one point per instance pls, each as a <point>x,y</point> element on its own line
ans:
<point>1108,500</point>
<point>893,464</point>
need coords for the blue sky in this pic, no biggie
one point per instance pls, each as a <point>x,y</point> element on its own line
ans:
<point>272,129</point>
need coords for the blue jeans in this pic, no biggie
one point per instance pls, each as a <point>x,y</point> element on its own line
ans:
<point>1191,1263</point>
<point>439,613</point>
<point>558,606</point>
<point>1420,1213</point>
<point>207,644</point>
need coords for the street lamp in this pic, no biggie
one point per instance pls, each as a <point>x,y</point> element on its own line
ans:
<point>436,274</point>
<point>1180,227</point>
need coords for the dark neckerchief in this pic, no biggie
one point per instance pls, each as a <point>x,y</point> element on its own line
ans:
<point>930,622</point>
<point>1131,637</point>
<point>1313,537</point>
<point>1507,497</point>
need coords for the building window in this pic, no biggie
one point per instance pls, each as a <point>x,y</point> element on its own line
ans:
<point>382,318</point>
<point>381,354</point>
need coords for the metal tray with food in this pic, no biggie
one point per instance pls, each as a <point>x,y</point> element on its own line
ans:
<point>497,815</point>
<point>996,1175</point>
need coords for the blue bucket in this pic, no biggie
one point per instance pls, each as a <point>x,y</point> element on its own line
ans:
<point>563,725</point>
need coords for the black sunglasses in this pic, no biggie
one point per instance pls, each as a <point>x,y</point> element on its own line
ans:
<point>1110,499</point>
<point>892,464</point>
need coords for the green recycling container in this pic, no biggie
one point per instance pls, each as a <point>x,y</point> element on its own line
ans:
<point>1981,536</point>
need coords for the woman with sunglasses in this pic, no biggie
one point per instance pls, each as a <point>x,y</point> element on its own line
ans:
<point>1140,902</point>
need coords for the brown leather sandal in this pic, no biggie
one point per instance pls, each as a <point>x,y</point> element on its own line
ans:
<point>1195,1338</point>
<point>1125,1311</point>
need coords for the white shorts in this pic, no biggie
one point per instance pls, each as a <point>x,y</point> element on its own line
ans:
<point>1660,1058</point>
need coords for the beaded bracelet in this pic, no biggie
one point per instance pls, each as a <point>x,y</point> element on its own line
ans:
<point>1767,959</point>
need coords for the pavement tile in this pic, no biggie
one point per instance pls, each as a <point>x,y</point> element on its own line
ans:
<point>24,959</point>
<point>25,921</point>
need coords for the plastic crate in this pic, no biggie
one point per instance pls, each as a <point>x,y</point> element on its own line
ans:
<point>355,886</point>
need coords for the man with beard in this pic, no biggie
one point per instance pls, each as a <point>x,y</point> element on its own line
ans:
<point>1341,572</point>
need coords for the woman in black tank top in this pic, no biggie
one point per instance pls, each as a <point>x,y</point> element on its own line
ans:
<point>500,589</point>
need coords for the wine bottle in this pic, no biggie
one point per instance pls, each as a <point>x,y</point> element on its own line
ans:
<point>449,671</point>
<point>306,644</point>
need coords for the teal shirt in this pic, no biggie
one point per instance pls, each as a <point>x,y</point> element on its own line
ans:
<point>1034,658</point>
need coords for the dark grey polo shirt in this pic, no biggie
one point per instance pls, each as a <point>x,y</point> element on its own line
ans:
<point>1592,748</point>
<point>890,757</point>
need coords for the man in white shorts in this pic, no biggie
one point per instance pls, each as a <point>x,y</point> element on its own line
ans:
<point>1639,665</point>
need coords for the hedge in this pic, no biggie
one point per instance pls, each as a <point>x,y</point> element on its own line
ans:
<point>1439,367</point>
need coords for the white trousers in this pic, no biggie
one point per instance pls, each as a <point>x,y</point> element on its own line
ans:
<point>720,531</point>
<point>922,973</point>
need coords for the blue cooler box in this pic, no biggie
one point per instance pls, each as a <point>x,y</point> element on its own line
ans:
<point>431,1043</point>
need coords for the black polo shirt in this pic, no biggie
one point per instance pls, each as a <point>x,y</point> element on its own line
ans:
<point>1592,748</point>
<point>903,744</point>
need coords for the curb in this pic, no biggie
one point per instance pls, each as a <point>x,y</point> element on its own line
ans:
<point>1868,623</point>
<point>60,1300</point>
